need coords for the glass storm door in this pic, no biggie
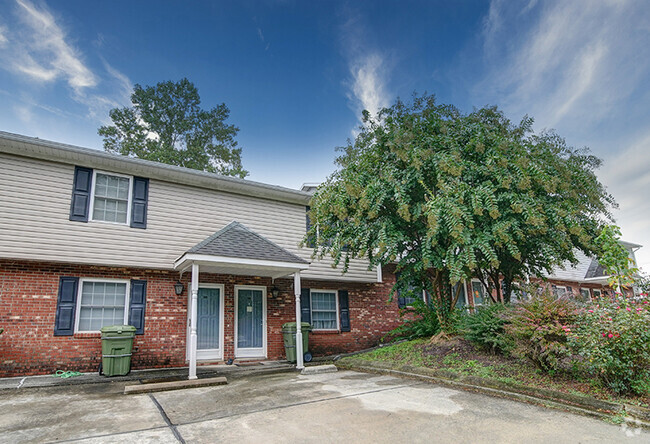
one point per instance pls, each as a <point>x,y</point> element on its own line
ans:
<point>209,324</point>
<point>250,340</point>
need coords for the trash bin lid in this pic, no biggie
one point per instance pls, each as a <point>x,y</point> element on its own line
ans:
<point>117,329</point>
<point>291,326</point>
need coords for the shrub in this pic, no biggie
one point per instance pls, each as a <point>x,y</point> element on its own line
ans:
<point>614,338</point>
<point>539,328</point>
<point>485,328</point>
<point>424,324</point>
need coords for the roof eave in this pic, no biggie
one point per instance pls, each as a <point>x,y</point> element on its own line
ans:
<point>74,155</point>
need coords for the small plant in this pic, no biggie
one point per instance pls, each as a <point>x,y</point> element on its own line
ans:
<point>424,324</point>
<point>539,329</point>
<point>485,328</point>
<point>614,338</point>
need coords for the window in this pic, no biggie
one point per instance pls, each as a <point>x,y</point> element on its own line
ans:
<point>111,196</point>
<point>324,313</point>
<point>597,293</point>
<point>559,291</point>
<point>101,303</point>
<point>459,289</point>
<point>478,292</point>
<point>585,296</point>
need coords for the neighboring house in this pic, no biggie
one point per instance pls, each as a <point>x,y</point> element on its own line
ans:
<point>587,279</point>
<point>89,239</point>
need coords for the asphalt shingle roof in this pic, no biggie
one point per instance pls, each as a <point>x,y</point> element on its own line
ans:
<point>236,240</point>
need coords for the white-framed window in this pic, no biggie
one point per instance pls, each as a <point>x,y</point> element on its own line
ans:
<point>585,295</point>
<point>478,292</point>
<point>101,302</point>
<point>111,198</point>
<point>559,291</point>
<point>596,293</point>
<point>324,309</point>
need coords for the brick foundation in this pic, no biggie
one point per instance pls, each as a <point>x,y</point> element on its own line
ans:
<point>28,299</point>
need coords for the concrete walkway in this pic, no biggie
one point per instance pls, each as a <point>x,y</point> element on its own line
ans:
<point>289,407</point>
<point>152,375</point>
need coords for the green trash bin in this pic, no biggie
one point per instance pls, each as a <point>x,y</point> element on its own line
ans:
<point>289,335</point>
<point>117,343</point>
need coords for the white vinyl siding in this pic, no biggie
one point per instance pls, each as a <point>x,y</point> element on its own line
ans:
<point>324,310</point>
<point>35,200</point>
<point>110,201</point>
<point>100,304</point>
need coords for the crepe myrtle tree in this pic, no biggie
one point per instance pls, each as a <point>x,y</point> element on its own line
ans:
<point>447,196</point>
<point>167,124</point>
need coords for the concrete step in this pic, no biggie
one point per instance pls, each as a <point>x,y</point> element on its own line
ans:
<point>173,385</point>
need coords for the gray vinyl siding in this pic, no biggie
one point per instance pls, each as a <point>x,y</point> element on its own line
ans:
<point>35,205</point>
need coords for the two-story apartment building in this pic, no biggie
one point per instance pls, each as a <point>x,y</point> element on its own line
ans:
<point>206,267</point>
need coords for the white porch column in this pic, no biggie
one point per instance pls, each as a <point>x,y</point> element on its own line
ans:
<point>299,351</point>
<point>193,319</point>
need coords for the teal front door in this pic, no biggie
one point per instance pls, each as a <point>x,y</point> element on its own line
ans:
<point>209,324</point>
<point>250,340</point>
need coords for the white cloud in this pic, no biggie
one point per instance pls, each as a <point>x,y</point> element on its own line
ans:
<point>46,41</point>
<point>38,50</point>
<point>368,69</point>
<point>369,83</point>
<point>627,177</point>
<point>561,60</point>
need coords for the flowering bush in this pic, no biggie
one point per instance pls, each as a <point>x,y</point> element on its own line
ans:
<point>539,328</point>
<point>613,335</point>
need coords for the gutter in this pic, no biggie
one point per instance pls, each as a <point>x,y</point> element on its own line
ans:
<point>33,147</point>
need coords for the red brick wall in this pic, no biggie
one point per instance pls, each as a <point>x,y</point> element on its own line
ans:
<point>28,298</point>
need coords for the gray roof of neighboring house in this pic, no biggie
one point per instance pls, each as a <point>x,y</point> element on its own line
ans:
<point>235,240</point>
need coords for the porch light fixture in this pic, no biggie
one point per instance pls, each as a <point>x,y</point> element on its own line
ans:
<point>275,291</point>
<point>178,288</point>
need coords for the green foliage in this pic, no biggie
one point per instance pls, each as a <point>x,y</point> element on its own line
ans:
<point>486,328</point>
<point>614,338</point>
<point>539,329</point>
<point>449,195</point>
<point>166,124</point>
<point>423,323</point>
<point>615,258</point>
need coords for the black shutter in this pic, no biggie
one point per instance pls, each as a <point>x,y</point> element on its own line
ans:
<point>80,204</point>
<point>311,242</point>
<point>66,306</point>
<point>139,202</point>
<point>137,304</point>
<point>344,308</point>
<point>305,305</point>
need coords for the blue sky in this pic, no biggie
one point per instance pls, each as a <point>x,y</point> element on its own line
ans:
<point>296,75</point>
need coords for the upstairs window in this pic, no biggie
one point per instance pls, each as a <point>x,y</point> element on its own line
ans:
<point>111,197</point>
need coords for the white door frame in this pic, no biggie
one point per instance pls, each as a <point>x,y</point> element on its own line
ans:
<point>216,353</point>
<point>251,352</point>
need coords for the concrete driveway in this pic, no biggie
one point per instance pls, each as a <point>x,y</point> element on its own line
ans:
<point>332,407</point>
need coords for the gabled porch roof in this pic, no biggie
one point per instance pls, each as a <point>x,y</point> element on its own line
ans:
<point>237,250</point>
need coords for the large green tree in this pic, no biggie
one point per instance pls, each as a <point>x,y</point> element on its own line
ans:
<point>167,124</point>
<point>448,195</point>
